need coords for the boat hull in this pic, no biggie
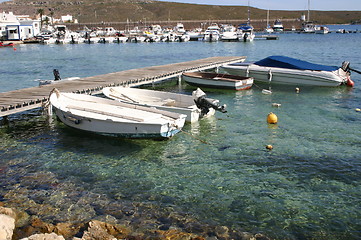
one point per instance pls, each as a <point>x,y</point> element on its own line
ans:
<point>286,76</point>
<point>111,118</point>
<point>173,102</point>
<point>214,80</point>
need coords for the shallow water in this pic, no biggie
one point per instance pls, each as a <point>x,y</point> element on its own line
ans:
<point>307,187</point>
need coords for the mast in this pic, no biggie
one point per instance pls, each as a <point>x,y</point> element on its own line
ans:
<point>308,11</point>
<point>249,13</point>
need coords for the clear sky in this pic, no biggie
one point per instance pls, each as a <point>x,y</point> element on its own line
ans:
<point>336,5</point>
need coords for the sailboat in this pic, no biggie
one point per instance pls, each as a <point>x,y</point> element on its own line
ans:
<point>268,29</point>
<point>246,30</point>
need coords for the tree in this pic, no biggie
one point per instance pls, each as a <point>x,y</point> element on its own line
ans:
<point>41,12</point>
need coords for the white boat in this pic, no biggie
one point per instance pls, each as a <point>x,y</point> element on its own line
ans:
<point>286,70</point>
<point>246,33</point>
<point>278,26</point>
<point>321,30</point>
<point>217,80</point>
<point>212,33</point>
<point>108,117</point>
<point>229,33</point>
<point>174,102</point>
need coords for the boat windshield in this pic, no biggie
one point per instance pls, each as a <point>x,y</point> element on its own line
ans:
<point>293,63</point>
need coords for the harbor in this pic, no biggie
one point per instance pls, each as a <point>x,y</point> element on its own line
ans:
<point>229,176</point>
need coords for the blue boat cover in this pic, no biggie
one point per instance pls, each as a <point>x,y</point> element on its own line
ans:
<point>245,27</point>
<point>293,63</point>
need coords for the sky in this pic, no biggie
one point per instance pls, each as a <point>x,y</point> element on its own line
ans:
<point>327,5</point>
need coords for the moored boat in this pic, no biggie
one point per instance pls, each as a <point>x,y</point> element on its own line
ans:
<point>108,117</point>
<point>173,102</point>
<point>286,70</point>
<point>217,80</point>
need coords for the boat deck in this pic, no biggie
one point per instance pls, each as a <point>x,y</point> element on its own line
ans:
<point>31,98</point>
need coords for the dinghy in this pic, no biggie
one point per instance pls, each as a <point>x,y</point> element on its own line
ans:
<point>108,117</point>
<point>174,102</point>
<point>286,70</point>
<point>217,80</point>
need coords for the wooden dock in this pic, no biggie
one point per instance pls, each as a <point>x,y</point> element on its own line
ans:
<point>30,98</point>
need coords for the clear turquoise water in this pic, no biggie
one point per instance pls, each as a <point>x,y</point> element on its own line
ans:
<point>307,187</point>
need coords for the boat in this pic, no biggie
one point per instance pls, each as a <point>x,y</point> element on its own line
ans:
<point>286,70</point>
<point>212,34</point>
<point>246,32</point>
<point>229,33</point>
<point>322,30</point>
<point>217,80</point>
<point>278,26</point>
<point>173,102</point>
<point>112,118</point>
<point>6,44</point>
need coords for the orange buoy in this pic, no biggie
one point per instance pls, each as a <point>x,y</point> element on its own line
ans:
<point>349,82</point>
<point>272,118</point>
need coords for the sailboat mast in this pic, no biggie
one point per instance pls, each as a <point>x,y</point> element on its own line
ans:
<point>249,13</point>
<point>308,11</point>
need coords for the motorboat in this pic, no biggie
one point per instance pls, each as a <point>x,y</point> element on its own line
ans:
<point>246,33</point>
<point>212,33</point>
<point>112,118</point>
<point>286,70</point>
<point>6,44</point>
<point>321,30</point>
<point>229,33</point>
<point>217,80</point>
<point>278,26</point>
<point>174,102</point>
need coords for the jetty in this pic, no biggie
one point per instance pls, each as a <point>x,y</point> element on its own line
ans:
<point>21,100</point>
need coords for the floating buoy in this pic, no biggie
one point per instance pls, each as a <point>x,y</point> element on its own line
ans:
<point>269,147</point>
<point>349,82</point>
<point>276,104</point>
<point>265,91</point>
<point>358,110</point>
<point>297,90</point>
<point>14,49</point>
<point>272,118</point>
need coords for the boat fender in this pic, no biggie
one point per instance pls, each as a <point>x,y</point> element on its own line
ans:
<point>272,118</point>
<point>349,82</point>
<point>247,71</point>
<point>270,75</point>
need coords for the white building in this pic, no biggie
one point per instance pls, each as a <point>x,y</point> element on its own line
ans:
<point>14,27</point>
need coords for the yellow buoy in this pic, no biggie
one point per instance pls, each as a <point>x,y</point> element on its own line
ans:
<point>269,147</point>
<point>272,118</point>
<point>358,110</point>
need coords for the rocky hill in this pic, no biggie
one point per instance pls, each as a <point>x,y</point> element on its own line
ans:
<point>92,11</point>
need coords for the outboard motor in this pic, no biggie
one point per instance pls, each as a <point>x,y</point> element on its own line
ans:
<point>346,66</point>
<point>204,103</point>
<point>56,75</point>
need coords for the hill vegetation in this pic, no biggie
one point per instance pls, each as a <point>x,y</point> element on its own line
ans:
<point>92,11</point>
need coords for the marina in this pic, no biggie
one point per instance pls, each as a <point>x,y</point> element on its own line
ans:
<point>227,176</point>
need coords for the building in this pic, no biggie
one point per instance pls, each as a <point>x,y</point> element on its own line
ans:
<point>15,28</point>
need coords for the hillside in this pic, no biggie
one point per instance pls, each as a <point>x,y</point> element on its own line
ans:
<point>91,11</point>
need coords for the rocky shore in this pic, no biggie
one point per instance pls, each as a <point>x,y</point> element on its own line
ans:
<point>19,225</point>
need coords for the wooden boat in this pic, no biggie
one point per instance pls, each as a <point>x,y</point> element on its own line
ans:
<point>107,117</point>
<point>286,70</point>
<point>174,102</point>
<point>217,80</point>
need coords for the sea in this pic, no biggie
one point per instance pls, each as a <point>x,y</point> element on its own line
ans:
<point>217,173</point>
